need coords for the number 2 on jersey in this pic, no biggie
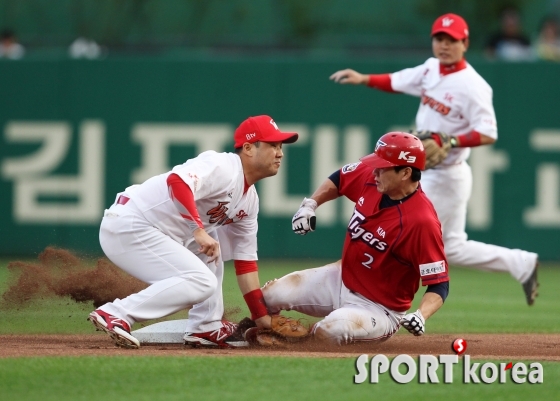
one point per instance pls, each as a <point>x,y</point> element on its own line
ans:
<point>370,259</point>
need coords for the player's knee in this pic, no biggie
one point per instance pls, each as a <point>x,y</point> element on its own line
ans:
<point>339,331</point>
<point>280,293</point>
<point>205,283</point>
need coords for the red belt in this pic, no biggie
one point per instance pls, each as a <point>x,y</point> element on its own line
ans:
<point>122,200</point>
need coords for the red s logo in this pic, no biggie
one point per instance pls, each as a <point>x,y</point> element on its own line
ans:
<point>241,214</point>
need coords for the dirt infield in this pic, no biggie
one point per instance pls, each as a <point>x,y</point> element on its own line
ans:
<point>511,347</point>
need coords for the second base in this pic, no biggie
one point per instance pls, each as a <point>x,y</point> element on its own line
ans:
<point>168,332</point>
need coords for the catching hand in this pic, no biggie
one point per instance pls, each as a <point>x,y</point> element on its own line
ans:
<point>436,146</point>
<point>304,220</point>
<point>283,330</point>
<point>414,323</point>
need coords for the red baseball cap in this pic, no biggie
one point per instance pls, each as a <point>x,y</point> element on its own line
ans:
<point>261,128</point>
<point>397,149</point>
<point>453,25</point>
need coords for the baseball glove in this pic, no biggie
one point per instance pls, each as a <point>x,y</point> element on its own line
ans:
<point>283,330</point>
<point>435,153</point>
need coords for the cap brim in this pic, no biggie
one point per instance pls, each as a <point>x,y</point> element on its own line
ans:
<point>451,33</point>
<point>375,161</point>
<point>284,137</point>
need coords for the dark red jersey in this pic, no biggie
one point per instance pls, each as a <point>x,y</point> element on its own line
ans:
<point>388,251</point>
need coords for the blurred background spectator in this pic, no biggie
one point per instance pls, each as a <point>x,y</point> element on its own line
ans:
<point>547,44</point>
<point>84,48</point>
<point>510,43</point>
<point>9,47</point>
<point>311,28</point>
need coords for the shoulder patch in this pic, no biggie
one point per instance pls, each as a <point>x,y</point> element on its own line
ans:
<point>432,268</point>
<point>350,167</point>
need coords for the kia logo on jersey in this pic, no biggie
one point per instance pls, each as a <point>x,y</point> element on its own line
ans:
<point>357,232</point>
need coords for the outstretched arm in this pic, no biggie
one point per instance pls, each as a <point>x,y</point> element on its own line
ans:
<point>304,220</point>
<point>377,81</point>
<point>349,76</point>
<point>326,192</point>
<point>429,304</point>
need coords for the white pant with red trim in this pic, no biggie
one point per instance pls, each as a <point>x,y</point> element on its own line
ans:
<point>449,189</point>
<point>178,277</point>
<point>320,292</point>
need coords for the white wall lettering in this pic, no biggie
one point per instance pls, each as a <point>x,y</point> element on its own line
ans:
<point>546,212</point>
<point>32,180</point>
<point>155,140</point>
<point>484,162</point>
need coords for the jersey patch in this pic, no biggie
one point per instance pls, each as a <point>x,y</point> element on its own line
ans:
<point>350,167</point>
<point>432,268</point>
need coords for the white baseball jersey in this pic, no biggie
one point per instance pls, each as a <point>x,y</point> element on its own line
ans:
<point>454,104</point>
<point>217,183</point>
<point>457,103</point>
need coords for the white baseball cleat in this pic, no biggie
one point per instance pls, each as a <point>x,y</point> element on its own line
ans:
<point>117,328</point>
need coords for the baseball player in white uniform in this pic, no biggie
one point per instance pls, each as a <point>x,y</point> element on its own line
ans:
<point>457,101</point>
<point>175,231</point>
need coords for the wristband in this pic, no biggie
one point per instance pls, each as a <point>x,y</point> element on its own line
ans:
<point>256,304</point>
<point>468,140</point>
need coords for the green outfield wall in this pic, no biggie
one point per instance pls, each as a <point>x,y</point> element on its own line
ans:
<point>74,133</point>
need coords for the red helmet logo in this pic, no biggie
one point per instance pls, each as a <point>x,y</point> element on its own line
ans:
<point>397,149</point>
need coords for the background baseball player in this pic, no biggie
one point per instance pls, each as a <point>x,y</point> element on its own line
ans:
<point>175,230</point>
<point>393,240</point>
<point>457,101</point>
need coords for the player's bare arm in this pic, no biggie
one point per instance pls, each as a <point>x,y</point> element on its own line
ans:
<point>429,304</point>
<point>326,192</point>
<point>349,76</point>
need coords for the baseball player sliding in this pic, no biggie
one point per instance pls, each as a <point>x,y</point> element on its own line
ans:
<point>176,229</point>
<point>393,241</point>
<point>455,114</point>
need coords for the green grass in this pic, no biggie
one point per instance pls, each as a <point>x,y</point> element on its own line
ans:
<point>479,302</point>
<point>230,378</point>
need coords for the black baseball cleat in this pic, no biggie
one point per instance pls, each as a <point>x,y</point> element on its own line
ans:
<point>530,287</point>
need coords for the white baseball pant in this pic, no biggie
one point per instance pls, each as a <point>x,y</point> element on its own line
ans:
<point>319,292</point>
<point>178,278</point>
<point>449,189</point>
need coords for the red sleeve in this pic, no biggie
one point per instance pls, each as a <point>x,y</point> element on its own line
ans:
<point>426,249</point>
<point>353,178</point>
<point>468,140</point>
<point>381,82</point>
<point>183,199</point>
<point>245,266</point>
